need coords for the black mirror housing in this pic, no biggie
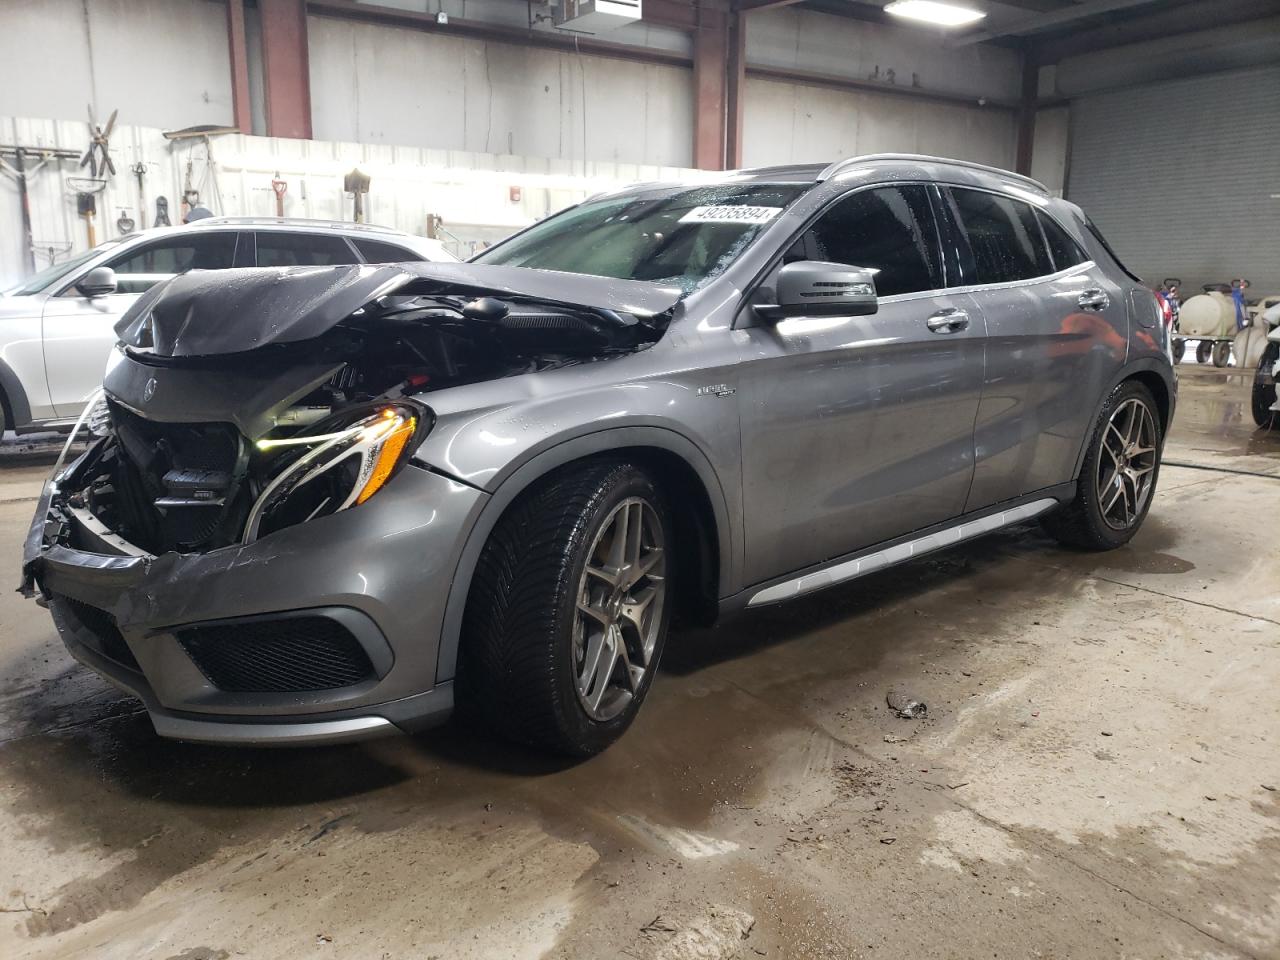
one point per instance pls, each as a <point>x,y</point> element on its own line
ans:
<point>98,282</point>
<point>812,288</point>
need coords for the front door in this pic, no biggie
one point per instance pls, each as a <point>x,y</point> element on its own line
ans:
<point>79,332</point>
<point>856,430</point>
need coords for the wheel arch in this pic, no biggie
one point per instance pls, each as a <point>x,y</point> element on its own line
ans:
<point>17,409</point>
<point>677,463</point>
<point>1152,374</point>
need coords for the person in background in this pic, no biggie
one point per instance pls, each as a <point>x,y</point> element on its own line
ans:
<point>1238,286</point>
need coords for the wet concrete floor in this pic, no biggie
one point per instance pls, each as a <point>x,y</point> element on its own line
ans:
<point>1097,775</point>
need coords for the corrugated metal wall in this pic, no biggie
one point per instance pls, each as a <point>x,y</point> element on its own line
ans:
<point>1183,177</point>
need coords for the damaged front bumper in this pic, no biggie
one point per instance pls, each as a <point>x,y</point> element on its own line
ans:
<point>323,632</point>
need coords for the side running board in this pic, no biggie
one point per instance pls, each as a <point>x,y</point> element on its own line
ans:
<point>889,556</point>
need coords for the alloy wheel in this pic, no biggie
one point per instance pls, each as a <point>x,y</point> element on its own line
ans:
<point>1126,464</point>
<point>619,609</point>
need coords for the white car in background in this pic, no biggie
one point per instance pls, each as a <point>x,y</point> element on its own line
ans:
<point>57,327</point>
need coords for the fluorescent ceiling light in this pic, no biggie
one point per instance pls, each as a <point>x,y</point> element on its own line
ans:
<point>931,11</point>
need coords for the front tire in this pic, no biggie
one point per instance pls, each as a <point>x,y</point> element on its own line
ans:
<point>568,611</point>
<point>1118,478</point>
<point>1264,388</point>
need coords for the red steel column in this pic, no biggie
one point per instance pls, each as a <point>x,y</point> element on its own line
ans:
<point>285,68</point>
<point>710,56</point>
<point>241,115</point>
<point>736,75</point>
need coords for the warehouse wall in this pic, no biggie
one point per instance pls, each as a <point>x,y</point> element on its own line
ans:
<point>374,84</point>
<point>472,192</point>
<point>1182,176</point>
<point>159,62</point>
<point>788,122</point>
<point>820,43</point>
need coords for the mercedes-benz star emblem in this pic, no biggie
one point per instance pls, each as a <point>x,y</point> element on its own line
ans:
<point>149,390</point>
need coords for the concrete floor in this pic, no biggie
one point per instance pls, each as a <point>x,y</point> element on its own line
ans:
<point>1096,777</point>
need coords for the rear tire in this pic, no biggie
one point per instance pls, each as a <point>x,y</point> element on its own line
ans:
<point>568,611</point>
<point>1264,389</point>
<point>1118,478</point>
<point>1222,353</point>
<point>1204,350</point>
<point>1179,348</point>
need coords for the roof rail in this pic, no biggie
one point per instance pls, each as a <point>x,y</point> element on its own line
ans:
<point>293,222</point>
<point>841,165</point>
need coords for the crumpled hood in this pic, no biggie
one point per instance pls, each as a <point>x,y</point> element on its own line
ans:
<point>209,312</point>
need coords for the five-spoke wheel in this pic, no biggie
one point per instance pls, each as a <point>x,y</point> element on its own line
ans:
<point>621,596</point>
<point>568,609</point>
<point>1126,463</point>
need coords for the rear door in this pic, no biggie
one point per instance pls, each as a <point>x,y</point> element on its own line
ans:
<point>79,332</point>
<point>1056,331</point>
<point>859,429</point>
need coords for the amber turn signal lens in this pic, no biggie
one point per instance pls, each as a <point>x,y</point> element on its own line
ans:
<point>388,455</point>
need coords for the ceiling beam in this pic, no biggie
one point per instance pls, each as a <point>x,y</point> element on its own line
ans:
<point>746,6</point>
<point>1187,18</point>
<point>1049,21</point>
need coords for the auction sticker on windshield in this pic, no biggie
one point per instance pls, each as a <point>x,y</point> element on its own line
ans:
<point>730,213</point>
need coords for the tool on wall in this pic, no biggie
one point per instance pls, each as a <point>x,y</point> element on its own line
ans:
<point>98,157</point>
<point>22,174</point>
<point>86,190</point>
<point>357,184</point>
<point>125,223</point>
<point>162,212</point>
<point>279,188</point>
<point>139,170</point>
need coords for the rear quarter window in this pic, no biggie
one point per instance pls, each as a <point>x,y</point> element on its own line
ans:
<point>375,251</point>
<point>1064,250</point>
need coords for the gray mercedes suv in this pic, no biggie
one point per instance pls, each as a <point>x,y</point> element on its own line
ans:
<point>324,503</point>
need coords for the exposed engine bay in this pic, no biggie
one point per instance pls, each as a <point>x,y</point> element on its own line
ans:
<point>231,417</point>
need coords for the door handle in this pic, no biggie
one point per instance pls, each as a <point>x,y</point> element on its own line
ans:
<point>950,320</point>
<point>1094,299</point>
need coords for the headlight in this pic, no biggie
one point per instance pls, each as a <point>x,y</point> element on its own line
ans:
<point>342,465</point>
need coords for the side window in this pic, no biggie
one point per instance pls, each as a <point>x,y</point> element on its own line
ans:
<point>889,229</point>
<point>1065,251</point>
<point>302,250</point>
<point>1003,235</point>
<point>374,251</point>
<point>142,268</point>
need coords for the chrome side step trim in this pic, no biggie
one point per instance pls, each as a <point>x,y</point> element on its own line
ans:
<point>889,556</point>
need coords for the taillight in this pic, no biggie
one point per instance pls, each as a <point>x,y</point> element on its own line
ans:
<point>1166,309</point>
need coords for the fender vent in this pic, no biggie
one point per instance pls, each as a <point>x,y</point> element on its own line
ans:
<point>95,628</point>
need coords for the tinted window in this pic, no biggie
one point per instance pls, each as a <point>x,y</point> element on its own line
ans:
<point>376,252</point>
<point>1065,251</point>
<point>889,230</point>
<point>1003,235</point>
<point>302,250</point>
<point>140,269</point>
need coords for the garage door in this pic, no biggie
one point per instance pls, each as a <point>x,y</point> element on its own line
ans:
<point>1183,177</point>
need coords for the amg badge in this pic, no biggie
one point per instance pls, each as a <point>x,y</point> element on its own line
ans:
<point>716,390</point>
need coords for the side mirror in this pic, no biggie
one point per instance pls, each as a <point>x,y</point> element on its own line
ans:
<point>98,282</point>
<point>811,288</point>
